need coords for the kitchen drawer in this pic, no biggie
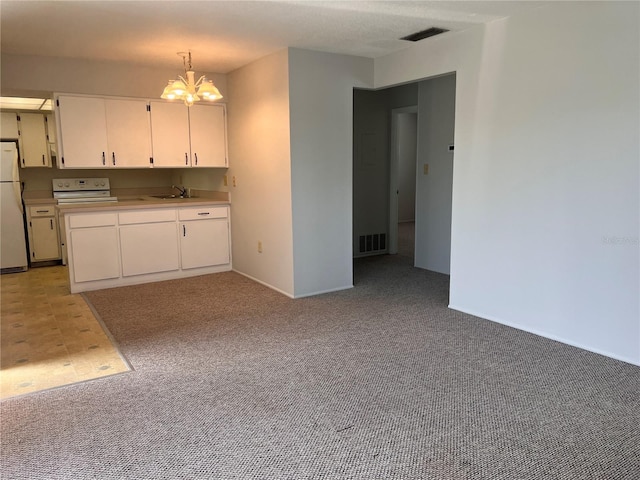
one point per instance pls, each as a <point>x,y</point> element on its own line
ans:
<point>86,220</point>
<point>202,213</point>
<point>147,216</point>
<point>42,211</point>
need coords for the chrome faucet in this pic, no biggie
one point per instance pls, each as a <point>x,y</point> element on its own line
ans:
<point>182,190</point>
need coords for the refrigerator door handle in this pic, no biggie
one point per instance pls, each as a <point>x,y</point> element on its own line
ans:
<point>15,175</point>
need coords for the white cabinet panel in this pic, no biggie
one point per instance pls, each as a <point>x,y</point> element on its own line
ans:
<point>147,216</point>
<point>202,213</point>
<point>82,128</point>
<point>93,253</point>
<point>128,133</point>
<point>34,149</point>
<point>204,243</point>
<point>9,126</point>
<point>149,248</point>
<point>170,134</point>
<point>44,240</point>
<point>84,220</point>
<point>207,125</point>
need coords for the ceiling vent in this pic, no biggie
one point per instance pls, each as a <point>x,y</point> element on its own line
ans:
<point>429,32</point>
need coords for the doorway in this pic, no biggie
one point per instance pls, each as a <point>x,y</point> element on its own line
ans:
<point>378,202</point>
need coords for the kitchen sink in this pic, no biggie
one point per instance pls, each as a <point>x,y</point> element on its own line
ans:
<point>170,197</point>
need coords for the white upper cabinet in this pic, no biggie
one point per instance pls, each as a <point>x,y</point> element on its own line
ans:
<point>208,135</point>
<point>82,132</point>
<point>100,133</point>
<point>188,136</point>
<point>103,132</point>
<point>170,134</point>
<point>34,149</point>
<point>128,133</point>
<point>9,126</point>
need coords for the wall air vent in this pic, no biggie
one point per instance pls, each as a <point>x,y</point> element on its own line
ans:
<point>429,32</point>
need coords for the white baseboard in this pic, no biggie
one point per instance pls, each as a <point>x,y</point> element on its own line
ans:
<point>263,283</point>
<point>289,294</point>
<point>324,291</point>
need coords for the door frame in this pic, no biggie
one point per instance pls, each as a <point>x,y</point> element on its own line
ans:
<point>394,162</point>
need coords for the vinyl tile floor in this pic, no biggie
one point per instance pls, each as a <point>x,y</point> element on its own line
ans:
<point>49,337</point>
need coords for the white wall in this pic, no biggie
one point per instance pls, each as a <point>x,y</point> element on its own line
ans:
<point>545,227</point>
<point>436,107</point>
<point>321,109</point>
<point>260,160</point>
<point>22,75</point>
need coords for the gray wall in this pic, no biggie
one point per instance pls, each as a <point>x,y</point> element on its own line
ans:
<point>407,134</point>
<point>436,115</point>
<point>321,115</point>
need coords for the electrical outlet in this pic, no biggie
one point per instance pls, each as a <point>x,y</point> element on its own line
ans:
<point>426,169</point>
<point>225,181</point>
<point>259,246</point>
<point>234,180</point>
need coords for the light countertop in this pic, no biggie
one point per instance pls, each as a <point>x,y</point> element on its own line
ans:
<point>140,202</point>
<point>130,199</point>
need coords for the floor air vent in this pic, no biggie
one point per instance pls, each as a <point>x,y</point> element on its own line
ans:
<point>375,242</point>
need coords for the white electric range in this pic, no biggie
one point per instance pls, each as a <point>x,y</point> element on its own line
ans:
<point>82,190</point>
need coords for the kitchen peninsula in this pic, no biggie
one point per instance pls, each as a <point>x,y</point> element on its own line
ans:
<point>146,238</point>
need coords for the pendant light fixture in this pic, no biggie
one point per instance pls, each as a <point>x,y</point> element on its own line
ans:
<point>187,89</point>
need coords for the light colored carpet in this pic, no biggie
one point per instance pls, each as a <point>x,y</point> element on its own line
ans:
<point>383,381</point>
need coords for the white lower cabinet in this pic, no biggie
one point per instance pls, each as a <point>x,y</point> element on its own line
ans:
<point>93,247</point>
<point>44,242</point>
<point>146,245</point>
<point>148,242</point>
<point>204,237</point>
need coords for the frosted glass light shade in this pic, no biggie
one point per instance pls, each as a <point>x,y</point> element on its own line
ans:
<point>209,91</point>
<point>188,89</point>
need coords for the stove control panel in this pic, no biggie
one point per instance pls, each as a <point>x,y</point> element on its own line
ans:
<point>79,184</point>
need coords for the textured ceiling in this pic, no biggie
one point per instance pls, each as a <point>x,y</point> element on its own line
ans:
<point>224,35</point>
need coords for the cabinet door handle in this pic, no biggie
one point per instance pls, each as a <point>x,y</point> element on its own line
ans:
<point>186,159</point>
<point>203,213</point>
<point>104,161</point>
<point>113,157</point>
<point>196,155</point>
<point>42,211</point>
<point>51,223</point>
<point>184,230</point>
<point>43,161</point>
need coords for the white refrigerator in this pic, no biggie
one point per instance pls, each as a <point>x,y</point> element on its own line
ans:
<point>13,246</point>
